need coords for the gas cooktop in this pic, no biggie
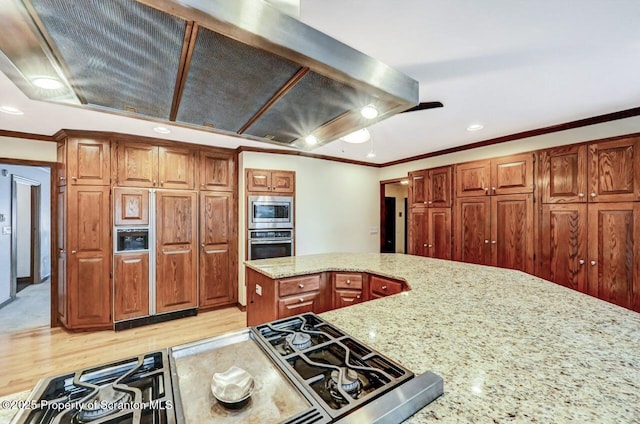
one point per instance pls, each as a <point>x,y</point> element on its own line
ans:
<point>306,371</point>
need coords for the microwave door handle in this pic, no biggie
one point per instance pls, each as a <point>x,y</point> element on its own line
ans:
<point>270,241</point>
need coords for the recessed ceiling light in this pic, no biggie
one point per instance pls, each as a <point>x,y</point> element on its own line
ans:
<point>475,127</point>
<point>311,140</point>
<point>162,130</point>
<point>360,136</point>
<point>47,83</point>
<point>369,112</point>
<point>11,110</point>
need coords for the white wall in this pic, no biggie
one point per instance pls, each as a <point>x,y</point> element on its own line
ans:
<point>19,148</point>
<point>400,192</point>
<point>337,205</point>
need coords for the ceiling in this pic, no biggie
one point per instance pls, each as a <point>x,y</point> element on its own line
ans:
<point>510,65</point>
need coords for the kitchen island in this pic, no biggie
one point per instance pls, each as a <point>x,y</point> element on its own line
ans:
<point>511,347</point>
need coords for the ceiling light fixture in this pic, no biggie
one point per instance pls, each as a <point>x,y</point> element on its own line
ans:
<point>356,137</point>
<point>47,83</point>
<point>11,110</point>
<point>311,140</point>
<point>372,153</point>
<point>369,112</point>
<point>475,127</point>
<point>162,130</point>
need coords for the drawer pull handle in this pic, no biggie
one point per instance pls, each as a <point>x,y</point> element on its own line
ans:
<point>301,286</point>
<point>384,287</point>
<point>301,299</point>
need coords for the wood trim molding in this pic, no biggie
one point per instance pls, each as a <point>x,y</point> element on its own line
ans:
<point>25,162</point>
<point>628,113</point>
<point>29,136</point>
<point>304,154</point>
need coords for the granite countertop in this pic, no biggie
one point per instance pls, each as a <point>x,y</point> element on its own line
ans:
<point>512,348</point>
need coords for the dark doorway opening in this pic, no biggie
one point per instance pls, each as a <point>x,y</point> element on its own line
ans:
<point>389,245</point>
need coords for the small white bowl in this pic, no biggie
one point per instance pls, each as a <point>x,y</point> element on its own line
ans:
<point>232,388</point>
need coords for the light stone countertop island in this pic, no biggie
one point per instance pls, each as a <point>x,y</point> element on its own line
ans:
<point>511,348</point>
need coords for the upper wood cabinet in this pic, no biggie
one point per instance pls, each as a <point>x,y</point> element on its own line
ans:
<point>614,168</point>
<point>430,232</point>
<point>131,206</point>
<point>563,174</point>
<point>147,165</point>
<point>472,236</point>
<point>88,161</point>
<point>504,175</point>
<point>431,187</point>
<point>217,171</point>
<point>273,181</point>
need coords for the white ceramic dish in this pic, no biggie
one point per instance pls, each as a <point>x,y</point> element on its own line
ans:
<point>232,388</point>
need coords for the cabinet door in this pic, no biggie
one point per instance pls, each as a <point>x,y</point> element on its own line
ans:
<point>344,298</point>
<point>176,168</point>
<point>217,171</point>
<point>563,250</point>
<point>258,180</point>
<point>418,188</point>
<point>283,182</point>
<point>176,284</point>
<point>614,169</point>
<point>131,285</point>
<point>439,233</point>
<point>439,187</point>
<point>295,305</point>
<point>512,174</point>
<point>418,226</point>
<point>218,278</point>
<point>137,164</point>
<point>472,230</point>
<point>614,253</point>
<point>131,206</point>
<point>61,166</point>
<point>563,172</point>
<point>89,262</point>
<point>473,178</point>
<point>512,231</point>
<point>61,244</point>
<point>89,161</point>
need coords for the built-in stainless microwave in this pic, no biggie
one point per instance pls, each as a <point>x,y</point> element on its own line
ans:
<point>270,212</point>
<point>130,239</point>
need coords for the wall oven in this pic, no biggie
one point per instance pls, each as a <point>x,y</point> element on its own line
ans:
<point>131,239</point>
<point>270,212</point>
<point>270,244</point>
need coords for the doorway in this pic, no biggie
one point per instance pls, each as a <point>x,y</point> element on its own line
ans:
<point>389,243</point>
<point>393,216</point>
<point>25,232</point>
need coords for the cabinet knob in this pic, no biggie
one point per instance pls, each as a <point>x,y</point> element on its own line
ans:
<point>301,299</point>
<point>384,287</point>
<point>61,251</point>
<point>202,185</point>
<point>430,246</point>
<point>593,195</point>
<point>424,245</point>
<point>154,182</point>
<point>425,202</point>
<point>593,263</point>
<point>74,178</point>
<point>581,261</point>
<point>486,190</point>
<point>301,286</point>
<point>348,281</point>
<point>75,251</point>
<point>493,189</point>
<point>493,242</point>
<point>62,178</point>
<point>581,195</point>
<point>486,242</point>
<point>161,182</point>
<point>202,244</point>
<point>429,202</point>
<point>358,297</point>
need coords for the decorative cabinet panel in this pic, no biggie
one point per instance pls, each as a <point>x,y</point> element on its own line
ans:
<point>88,262</point>
<point>473,230</point>
<point>88,162</point>
<point>563,174</point>
<point>504,175</point>
<point>430,232</point>
<point>473,178</point>
<point>264,180</point>
<point>563,245</point>
<point>176,282</point>
<point>131,285</point>
<point>431,188</point>
<point>147,165</point>
<point>418,231</point>
<point>218,259</point>
<point>614,168</point>
<point>217,171</point>
<point>131,206</point>
<point>614,253</point>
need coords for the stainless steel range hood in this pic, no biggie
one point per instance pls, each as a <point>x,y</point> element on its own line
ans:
<point>237,67</point>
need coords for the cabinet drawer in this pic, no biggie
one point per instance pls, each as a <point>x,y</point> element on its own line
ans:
<point>297,285</point>
<point>348,281</point>
<point>384,287</point>
<point>295,305</point>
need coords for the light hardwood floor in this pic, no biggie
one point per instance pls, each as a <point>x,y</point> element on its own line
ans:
<point>27,356</point>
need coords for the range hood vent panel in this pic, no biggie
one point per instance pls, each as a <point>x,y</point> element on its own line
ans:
<point>228,81</point>
<point>118,54</point>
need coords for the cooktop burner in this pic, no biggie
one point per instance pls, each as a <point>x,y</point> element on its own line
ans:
<point>341,372</point>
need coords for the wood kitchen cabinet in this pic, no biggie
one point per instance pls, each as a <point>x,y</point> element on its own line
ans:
<point>61,166</point>
<point>218,281</point>
<point>148,165</point>
<point>347,289</point>
<point>84,161</point>
<point>176,272</point>
<point>498,176</point>
<point>495,231</point>
<point>382,287</point>
<point>431,187</point>
<point>272,181</point>
<point>430,232</point>
<point>563,174</point>
<point>131,206</point>
<point>216,170</point>
<point>614,168</point>
<point>131,285</point>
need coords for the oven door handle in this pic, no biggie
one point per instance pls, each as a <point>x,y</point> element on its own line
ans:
<point>270,241</point>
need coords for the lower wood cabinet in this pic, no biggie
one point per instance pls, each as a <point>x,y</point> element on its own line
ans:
<point>131,285</point>
<point>347,289</point>
<point>430,232</point>
<point>381,287</point>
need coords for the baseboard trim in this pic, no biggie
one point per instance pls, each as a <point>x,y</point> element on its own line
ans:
<point>6,302</point>
<point>242,307</point>
<point>154,319</point>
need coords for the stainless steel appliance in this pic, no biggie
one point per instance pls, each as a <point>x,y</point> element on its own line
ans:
<point>131,239</point>
<point>270,212</point>
<point>270,244</point>
<point>306,370</point>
